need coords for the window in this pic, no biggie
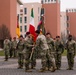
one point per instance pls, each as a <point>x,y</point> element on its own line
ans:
<point>42,11</point>
<point>66,10</point>
<point>20,19</point>
<point>48,0</point>
<point>51,0</point>
<point>20,28</point>
<point>25,10</point>
<point>67,18</point>
<point>21,10</point>
<point>25,28</point>
<point>38,18</point>
<point>75,10</point>
<point>58,1</point>
<point>67,24</point>
<point>25,19</point>
<point>68,32</point>
<point>38,10</point>
<point>45,0</point>
<point>42,1</point>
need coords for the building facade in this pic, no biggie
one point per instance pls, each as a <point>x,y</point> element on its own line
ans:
<point>51,16</point>
<point>71,21</point>
<point>8,15</point>
<point>25,14</point>
<point>63,24</point>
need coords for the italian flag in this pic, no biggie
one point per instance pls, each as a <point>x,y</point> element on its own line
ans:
<point>32,25</point>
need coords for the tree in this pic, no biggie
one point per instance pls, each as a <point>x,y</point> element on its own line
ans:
<point>4,32</point>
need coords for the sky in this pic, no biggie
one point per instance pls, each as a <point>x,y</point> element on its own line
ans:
<point>64,3</point>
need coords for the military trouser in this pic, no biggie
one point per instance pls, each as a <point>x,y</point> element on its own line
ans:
<point>27,59</point>
<point>10,52</point>
<point>50,60</point>
<point>6,54</point>
<point>45,56</point>
<point>70,57</point>
<point>20,59</point>
<point>33,60</point>
<point>14,52</point>
<point>58,60</point>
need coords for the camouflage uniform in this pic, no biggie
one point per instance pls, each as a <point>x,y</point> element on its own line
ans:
<point>20,47</point>
<point>59,50</point>
<point>42,44</point>
<point>71,50</point>
<point>28,44</point>
<point>14,45</point>
<point>6,48</point>
<point>50,43</point>
<point>10,52</point>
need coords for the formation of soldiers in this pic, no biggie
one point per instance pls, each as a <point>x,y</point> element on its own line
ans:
<point>50,51</point>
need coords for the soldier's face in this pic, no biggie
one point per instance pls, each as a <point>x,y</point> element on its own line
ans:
<point>70,38</point>
<point>14,39</point>
<point>57,38</point>
<point>29,36</point>
<point>48,36</point>
<point>21,38</point>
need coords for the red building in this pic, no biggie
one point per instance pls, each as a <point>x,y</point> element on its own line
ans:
<point>71,21</point>
<point>8,15</point>
<point>52,16</point>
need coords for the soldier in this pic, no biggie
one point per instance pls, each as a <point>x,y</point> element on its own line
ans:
<point>28,44</point>
<point>10,51</point>
<point>42,44</point>
<point>71,50</point>
<point>59,50</point>
<point>14,45</point>
<point>34,54</point>
<point>50,43</point>
<point>20,48</point>
<point>6,48</point>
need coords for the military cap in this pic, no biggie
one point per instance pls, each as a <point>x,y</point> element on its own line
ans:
<point>21,36</point>
<point>37,31</point>
<point>27,33</point>
<point>57,36</point>
<point>70,36</point>
<point>14,38</point>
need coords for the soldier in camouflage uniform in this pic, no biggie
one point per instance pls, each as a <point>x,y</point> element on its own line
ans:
<point>50,43</point>
<point>6,48</point>
<point>71,50</point>
<point>59,50</point>
<point>42,44</point>
<point>10,51</point>
<point>20,48</point>
<point>34,54</point>
<point>28,44</point>
<point>14,45</point>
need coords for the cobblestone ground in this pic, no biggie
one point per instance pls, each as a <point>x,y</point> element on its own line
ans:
<point>10,68</point>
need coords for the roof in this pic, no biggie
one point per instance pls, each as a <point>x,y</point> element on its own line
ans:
<point>19,2</point>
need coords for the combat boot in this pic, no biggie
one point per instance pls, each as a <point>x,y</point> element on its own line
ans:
<point>20,67</point>
<point>32,67</point>
<point>52,69</point>
<point>47,68</point>
<point>69,68</point>
<point>6,59</point>
<point>42,70</point>
<point>28,70</point>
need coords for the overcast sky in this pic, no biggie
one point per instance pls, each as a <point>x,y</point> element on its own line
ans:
<point>64,3</point>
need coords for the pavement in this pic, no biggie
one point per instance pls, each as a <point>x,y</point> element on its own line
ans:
<point>10,68</point>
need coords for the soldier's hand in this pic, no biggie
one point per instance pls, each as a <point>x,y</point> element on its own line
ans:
<point>33,45</point>
<point>33,48</point>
